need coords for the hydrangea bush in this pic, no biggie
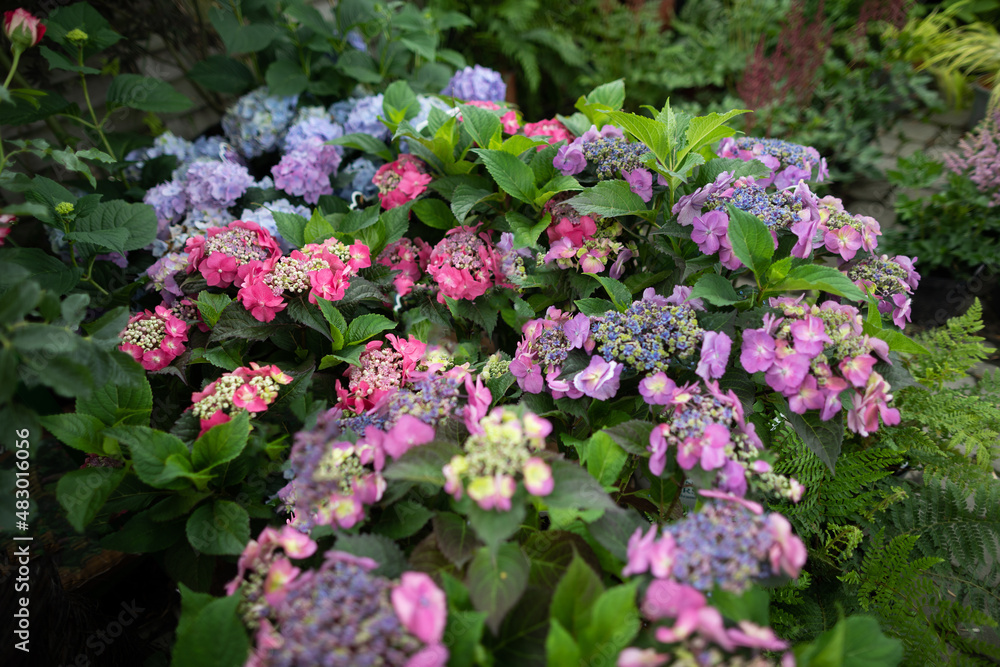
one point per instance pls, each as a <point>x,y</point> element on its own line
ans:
<point>511,399</point>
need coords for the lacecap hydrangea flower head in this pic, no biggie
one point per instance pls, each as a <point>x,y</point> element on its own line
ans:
<point>795,210</point>
<point>890,280</point>
<point>251,388</point>
<point>341,615</point>
<point>225,255</point>
<point>584,242</point>
<point>502,449</point>
<point>401,181</point>
<point>706,429</point>
<point>789,163</point>
<point>154,339</point>
<point>813,354</point>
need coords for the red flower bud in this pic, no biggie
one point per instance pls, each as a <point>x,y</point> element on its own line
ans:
<point>22,28</point>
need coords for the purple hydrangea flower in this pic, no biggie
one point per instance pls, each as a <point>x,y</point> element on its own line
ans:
<point>640,181</point>
<point>715,348</point>
<point>264,217</point>
<point>214,184</point>
<point>477,83</point>
<point>306,172</point>
<point>312,123</point>
<point>169,201</point>
<point>600,379</point>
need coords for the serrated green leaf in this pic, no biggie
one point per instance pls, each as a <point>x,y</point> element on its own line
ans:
<point>715,289</point>
<point>221,528</point>
<point>752,241</point>
<point>512,175</point>
<point>365,326</point>
<point>823,278</point>
<point>609,199</point>
<point>146,93</point>
<point>221,443</point>
<point>82,493</point>
<point>435,213</point>
<point>497,582</point>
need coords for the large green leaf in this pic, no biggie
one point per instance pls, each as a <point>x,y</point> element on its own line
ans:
<point>221,528</point>
<point>222,74</point>
<point>496,582</point>
<point>823,278</point>
<point>705,130</point>
<point>364,327</point>
<point>650,132</point>
<point>128,402</point>
<point>146,94</point>
<point>856,641</point>
<point>117,226</point>
<point>752,241</point>
<point>609,199</point>
<point>512,175</point>
<point>159,459</point>
<point>715,289</point>
<point>222,442</point>
<point>79,431</point>
<point>82,493</point>
<point>210,633</point>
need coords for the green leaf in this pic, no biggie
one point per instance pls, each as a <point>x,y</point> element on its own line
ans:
<point>70,160</point>
<point>465,630</point>
<point>141,534</point>
<point>222,74</point>
<point>364,327</point>
<point>526,231</point>
<point>494,526</point>
<point>512,175</point>
<point>211,306</point>
<point>497,582</point>
<point>399,103</point>
<point>610,94</point>
<point>146,94</point>
<point>560,647</point>
<point>291,226</point>
<point>705,130</point>
<point>160,459</point>
<point>752,605</point>
<point>364,143</point>
<point>715,289</point>
<point>222,442</point>
<point>620,295</point>
<point>210,633</point>
<point>856,641</point>
<point>20,302</point>
<point>455,537</point>
<point>614,622</point>
<point>435,213</point>
<point>824,438</point>
<point>79,431</point>
<point>236,322</point>
<point>575,488</point>
<point>823,278</point>
<point>423,463</point>
<point>594,307</point>
<point>220,529</point>
<point>752,241</point>
<point>318,228</point>
<point>609,199</point>
<point>118,404</point>
<point>403,519</point>
<point>898,342</point>
<point>285,78</point>
<point>465,198</point>
<point>379,548</point>
<point>650,132</point>
<point>604,459</point>
<point>82,493</point>
<point>574,596</point>
<point>123,226</point>
<point>482,125</point>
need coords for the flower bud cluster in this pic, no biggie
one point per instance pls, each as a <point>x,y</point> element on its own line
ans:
<point>382,370</point>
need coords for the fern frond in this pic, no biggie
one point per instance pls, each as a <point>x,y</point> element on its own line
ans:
<point>954,349</point>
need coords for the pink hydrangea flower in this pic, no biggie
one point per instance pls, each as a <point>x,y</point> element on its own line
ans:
<point>401,181</point>
<point>758,351</point>
<point>421,606</point>
<point>552,130</point>
<point>599,379</point>
<point>538,477</point>
<point>715,349</point>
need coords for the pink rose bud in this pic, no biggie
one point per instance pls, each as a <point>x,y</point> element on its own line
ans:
<point>22,29</point>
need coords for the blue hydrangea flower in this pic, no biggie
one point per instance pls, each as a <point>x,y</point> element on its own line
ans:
<point>255,123</point>
<point>170,202</point>
<point>306,171</point>
<point>477,83</point>
<point>364,118</point>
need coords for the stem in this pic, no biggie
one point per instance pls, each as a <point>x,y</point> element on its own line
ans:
<point>13,68</point>
<point>93,115</point>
